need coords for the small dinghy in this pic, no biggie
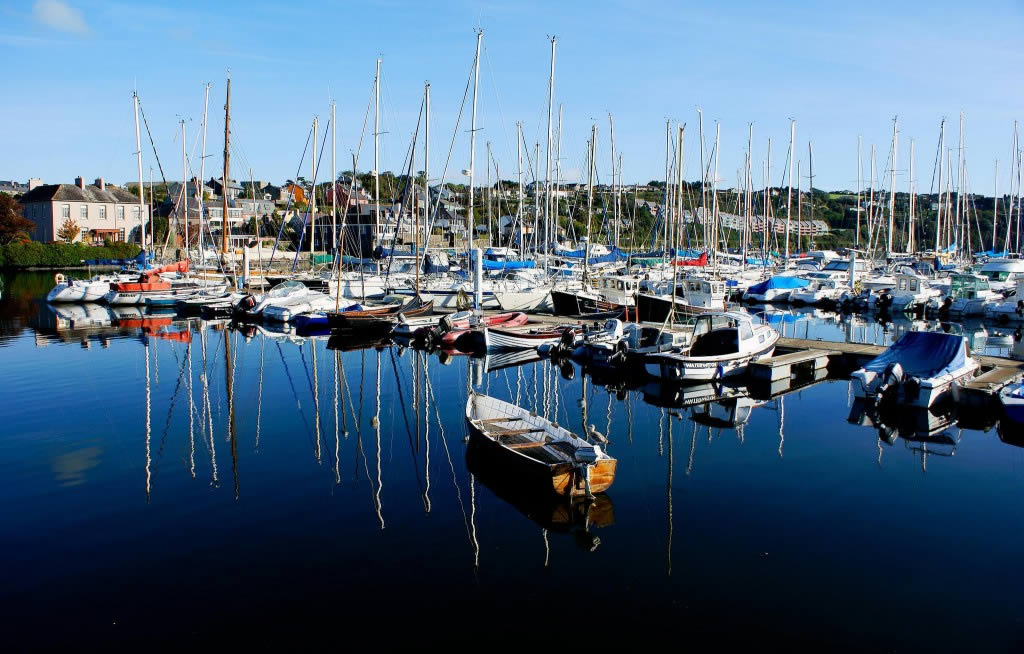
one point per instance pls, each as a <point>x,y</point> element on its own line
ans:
<point>384,316</point>
<point>775,289</point>
<point>537,452</point>
<point>529,338</point>
<point>919,369</point>
<point>1012,399</point>
<point>722,344</point>
<point>418,327</point>
<point>468,335</point>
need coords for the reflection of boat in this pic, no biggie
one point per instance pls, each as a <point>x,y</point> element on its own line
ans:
<point>348,340</point>
<point>560,515</point>
<point>1012,399</point>
<point>919,369</point>
<point>678,397</point>
<point>915,424</point>
<point>509,359</point>
<point>535,451</point>
<point>725,413</point>
<point>79,316</point>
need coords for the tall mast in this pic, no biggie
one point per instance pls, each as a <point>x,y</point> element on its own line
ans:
<point>558,170</point>
<point>376,159</point>
<point>615,199</point>
<point>202,178</point>
<point>142,190</point>
<point>789,193</point>
<point>678,208</point>
<point>799,206</point>
<point>746,192</point>
<point>536,199</point>
<point>995,205</point>
<point>312,197</point>
<point>714,193</point>
<point>184,188</point>
<point>590,196</point>
<point>960,184</point>
<point>810,173</point>
<point>892,188</point>
<point>472,150</point>
<point>668,158</point>
<point>490,193</point>
<point>519,206</point>
<point>334,178</point>
<point>547,194</point>
<point>703,180</point>
<point>871,202</point>
<point>225,225</point>
<point>426,182</point>
<point>910,209</point>
<point>860,171</point>
<point>938,216</point>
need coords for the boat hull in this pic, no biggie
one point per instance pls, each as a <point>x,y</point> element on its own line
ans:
<point>677,368</point>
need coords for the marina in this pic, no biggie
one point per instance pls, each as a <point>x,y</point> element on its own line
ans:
<point>418,326</point>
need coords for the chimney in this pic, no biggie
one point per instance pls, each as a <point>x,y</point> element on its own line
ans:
<point>80,183</point>
<point>101,184</point>
<point>33,182</point>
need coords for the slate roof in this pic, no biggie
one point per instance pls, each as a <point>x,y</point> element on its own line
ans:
<point>72,193</point>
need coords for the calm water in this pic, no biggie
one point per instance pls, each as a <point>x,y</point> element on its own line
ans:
<point>326,496</point>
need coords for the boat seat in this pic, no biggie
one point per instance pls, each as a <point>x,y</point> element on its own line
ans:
<point>515,432</point>
<point>525,446</point>
<point>488,421</point>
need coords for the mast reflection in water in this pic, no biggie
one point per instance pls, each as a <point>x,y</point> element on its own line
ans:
<point>707,527</point>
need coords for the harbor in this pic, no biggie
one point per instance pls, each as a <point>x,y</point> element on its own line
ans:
<point>410,325</point>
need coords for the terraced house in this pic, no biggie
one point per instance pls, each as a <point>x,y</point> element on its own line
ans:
<point>101,211</point>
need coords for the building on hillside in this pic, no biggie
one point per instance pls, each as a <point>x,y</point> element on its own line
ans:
<point>11,187</point>
<point>101,211</point>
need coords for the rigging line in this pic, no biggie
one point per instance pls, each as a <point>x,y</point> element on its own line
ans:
<point>291,196</point>
<point>497,100</point>
<point>444,441</point>
<point>150,134</point>
<point>170,410</point>
<point>295,394</point>
<point>309,205</point>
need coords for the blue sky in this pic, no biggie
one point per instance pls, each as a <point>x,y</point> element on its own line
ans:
<point>840,69</point>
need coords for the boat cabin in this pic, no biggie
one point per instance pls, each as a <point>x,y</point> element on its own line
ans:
<point>1001,270</point>
<point>720,333</point>
<point>620,289</point>
<point>969,287</point>
<point>907,284</point>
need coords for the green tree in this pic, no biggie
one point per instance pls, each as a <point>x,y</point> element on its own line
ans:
<point>13,226</point>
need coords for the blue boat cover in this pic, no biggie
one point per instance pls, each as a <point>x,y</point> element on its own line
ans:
<point>923,354</point>
<point>615,255</point>
<point>778,282</point>
<point>491,264</point>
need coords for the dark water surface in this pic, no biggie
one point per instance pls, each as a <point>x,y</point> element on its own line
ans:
<point>326,496</point>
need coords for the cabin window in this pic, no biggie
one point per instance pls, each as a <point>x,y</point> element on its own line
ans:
<point>913,285</point>
<point>982,285</point>
<point>745,331</point>
<point>903,285</point>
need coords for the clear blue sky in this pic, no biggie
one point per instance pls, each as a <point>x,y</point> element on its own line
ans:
<point>840,69</point>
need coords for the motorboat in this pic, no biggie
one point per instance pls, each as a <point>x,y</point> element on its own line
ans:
<point>1012,399</point>
<point>969,295</point>
<point>68,290</point>
<point>540,454</point>
<point>1010,309</point>
<point>722,343</point>
<point>621,344</point>
<point>1002,274</point>
<point>919,369</point>
<point>694,295</point>
<point>819,290</point>
<point>774,289</point>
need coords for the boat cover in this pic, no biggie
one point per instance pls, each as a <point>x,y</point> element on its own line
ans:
<point>778,282</point>
<point>491,264</point>
<point>615,255</point>
<point>923,354</point>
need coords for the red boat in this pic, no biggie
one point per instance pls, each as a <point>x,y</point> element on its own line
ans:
<point>150,280</point>
<point>461,327</point>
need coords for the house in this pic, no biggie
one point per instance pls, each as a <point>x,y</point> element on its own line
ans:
<point>11,187</point>
<point>101,211</point>
<point>292,191</point>
<point>234,188</point>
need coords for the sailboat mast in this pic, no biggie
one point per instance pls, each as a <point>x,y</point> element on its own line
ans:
<point>938,216</point>
<point>376,157</point>
<point>860,181</point>
<point>184,189</point>
<point>590,197</point>
<point>995,205</point>
<point>665,206</point>
<point>703,181</point>
<point>142,190</point>
<point>334,177</point>
<point>789,192</point>
<point>312,197</point>
<point>472,152</point>
<point>910,208</point>
<point>810,173</point>
<point>892,188</point>
<point>547,193</point>
<point>202,179</point>
<point>519,205</point>
<point>225,225</point>
<point>615,197</point>
<point>426,183</point>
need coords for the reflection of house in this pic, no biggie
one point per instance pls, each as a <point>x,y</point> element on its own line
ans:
<point>101,211</point>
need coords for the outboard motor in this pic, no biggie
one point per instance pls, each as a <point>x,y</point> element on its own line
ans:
<point>892,378</point>
<point>945,308</point>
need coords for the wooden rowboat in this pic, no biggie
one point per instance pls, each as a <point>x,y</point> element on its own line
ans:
<point>528,338</point>
<point>539,453</point>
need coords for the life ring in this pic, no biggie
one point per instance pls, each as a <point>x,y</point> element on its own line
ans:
<point>59,278</point>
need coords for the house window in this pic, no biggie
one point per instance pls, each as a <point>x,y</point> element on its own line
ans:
<point>135,213</point>
<point>103,212</point>
<point>65,211</point>
<point>120,213</point>
<point>83,212</point>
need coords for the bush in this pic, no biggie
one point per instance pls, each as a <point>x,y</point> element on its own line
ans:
<point>56,255</point>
